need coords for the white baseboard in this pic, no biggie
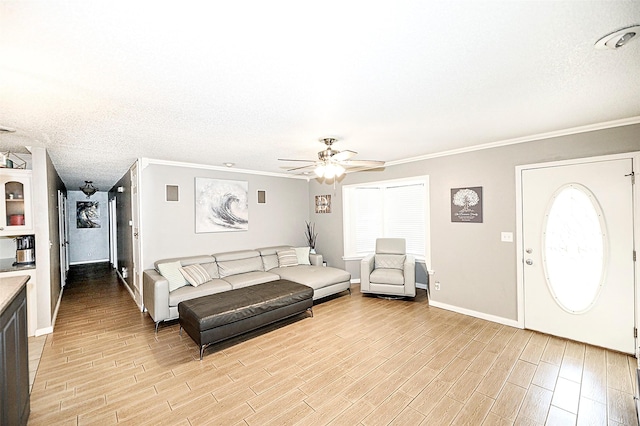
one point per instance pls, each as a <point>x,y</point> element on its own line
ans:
<point>43,331</point>
<point>126,285</point>
<point>49,330</point>
<point>476,314</point>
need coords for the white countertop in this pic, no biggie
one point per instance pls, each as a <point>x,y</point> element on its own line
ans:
<point>9,288</point>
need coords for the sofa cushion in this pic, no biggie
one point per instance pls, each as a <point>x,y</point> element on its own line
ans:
<point>302,253</point>
<point>171,271</point>
<point>270,256</point>
<point>250,278</point>
<point>390,261</point>
<point>241,265</point>
<point>287,258</point>
<point>212,269</point>
<point>314,276</point>
<point>195,274</point>
<point>270,261</point>
<point>387,276</point>
<point>186,261</point>
<point>189,292</point>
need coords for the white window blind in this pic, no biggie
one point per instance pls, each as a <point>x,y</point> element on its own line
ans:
<point>395,209</point>
<point>404,215</point>
<point>368,205</point>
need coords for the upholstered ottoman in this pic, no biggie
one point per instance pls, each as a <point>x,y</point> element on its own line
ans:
<point>211,319</point>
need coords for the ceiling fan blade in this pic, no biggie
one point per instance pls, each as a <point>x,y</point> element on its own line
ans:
<point>343,155</point>
<point>362,163</point>
<point>290,159</point>
<point>310,166</point>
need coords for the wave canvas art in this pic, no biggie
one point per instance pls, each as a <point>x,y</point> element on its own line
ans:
<point>221,205</point>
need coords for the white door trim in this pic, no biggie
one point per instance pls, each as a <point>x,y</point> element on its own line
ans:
<point>635,157</point>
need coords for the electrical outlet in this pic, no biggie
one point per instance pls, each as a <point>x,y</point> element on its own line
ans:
<point>437,285</point>
<point>506,237</point>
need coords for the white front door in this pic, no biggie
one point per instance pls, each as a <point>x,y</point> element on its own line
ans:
<point>577,236</point>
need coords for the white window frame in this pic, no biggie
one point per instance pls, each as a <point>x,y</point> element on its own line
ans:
<point>349,221</point>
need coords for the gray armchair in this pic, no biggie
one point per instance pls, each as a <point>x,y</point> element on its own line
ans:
<point>389,271</point>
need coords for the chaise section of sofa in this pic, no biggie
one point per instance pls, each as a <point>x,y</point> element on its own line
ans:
<point>165,286</point>
<point>324,280</point>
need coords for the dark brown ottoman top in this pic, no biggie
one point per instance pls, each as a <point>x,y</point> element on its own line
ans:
<point>248,307</point>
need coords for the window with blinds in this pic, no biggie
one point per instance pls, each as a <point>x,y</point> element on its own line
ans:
<point>394,209</point>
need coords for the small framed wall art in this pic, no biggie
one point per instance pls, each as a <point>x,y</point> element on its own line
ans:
<point>466,204</point>
<point>323,203</point>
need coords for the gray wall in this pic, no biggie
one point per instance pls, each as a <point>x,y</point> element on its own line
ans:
<point>88,244</point>
<point>168,228</point>
<point>476,270</point>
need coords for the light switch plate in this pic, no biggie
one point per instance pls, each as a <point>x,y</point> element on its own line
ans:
<point>506,237</point>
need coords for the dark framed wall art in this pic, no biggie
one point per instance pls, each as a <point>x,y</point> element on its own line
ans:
<point>466,204</point>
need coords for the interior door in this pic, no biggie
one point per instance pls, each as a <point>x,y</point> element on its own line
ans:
<point>578,251</point>
<point>64,246</point>
<point>135,231</point>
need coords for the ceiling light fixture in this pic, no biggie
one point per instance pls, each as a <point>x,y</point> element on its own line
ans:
<point>619,38</point>
<point>88,188</point>
<point>229,164</point>
<point>329,170</point>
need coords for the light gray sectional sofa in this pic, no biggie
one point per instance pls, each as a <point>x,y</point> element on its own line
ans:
<point>165,286</point>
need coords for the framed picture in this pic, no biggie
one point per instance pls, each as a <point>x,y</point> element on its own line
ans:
<point>87,214</point>
<point>221,205</point>
<point>323,203</point>
<point>466,204</point>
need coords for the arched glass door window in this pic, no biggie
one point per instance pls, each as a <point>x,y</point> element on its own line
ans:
<point>574,248</point>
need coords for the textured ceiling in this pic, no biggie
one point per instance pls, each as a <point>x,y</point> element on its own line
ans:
<point>100,84</point>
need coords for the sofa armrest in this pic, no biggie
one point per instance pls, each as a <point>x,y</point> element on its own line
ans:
<point>155,295</point>
<point>315,259</point>
<point>366,267</point>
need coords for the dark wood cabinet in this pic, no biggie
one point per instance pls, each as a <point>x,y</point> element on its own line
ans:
<point>14,362</point>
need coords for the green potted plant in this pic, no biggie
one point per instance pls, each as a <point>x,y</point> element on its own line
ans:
<point>311,235</point>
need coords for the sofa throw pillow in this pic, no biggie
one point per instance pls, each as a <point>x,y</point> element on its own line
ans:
<point>171,271</point>
<point>287,258</point>
<point>195,274</point>
<point>302,253</point>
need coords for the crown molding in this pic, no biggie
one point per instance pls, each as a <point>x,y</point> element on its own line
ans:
<point>149,161</point>
<point>548,135</point>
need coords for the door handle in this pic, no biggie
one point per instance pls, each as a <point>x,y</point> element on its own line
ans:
<point>529,262</point>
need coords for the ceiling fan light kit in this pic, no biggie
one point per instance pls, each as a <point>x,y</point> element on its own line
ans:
<point>332,164</point>
<point>329,171</point>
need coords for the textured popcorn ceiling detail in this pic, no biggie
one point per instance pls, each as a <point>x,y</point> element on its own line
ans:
<point>100,84</point>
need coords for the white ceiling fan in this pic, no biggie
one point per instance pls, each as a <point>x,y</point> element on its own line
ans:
<point>332,163</point>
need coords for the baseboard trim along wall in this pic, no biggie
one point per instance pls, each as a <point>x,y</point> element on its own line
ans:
<point>43,331</point>
<point>476,314</point>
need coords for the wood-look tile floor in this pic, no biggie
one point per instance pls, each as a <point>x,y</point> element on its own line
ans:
<point>359,361</point>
